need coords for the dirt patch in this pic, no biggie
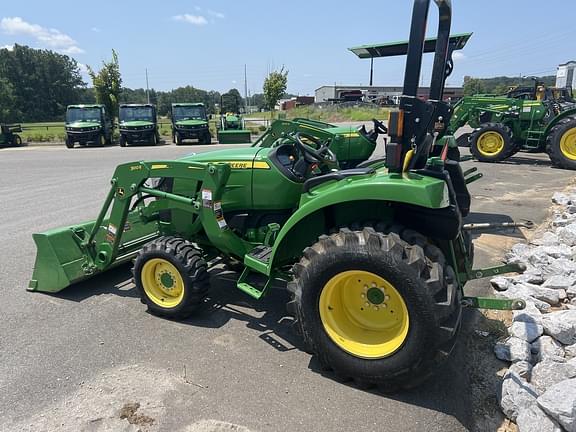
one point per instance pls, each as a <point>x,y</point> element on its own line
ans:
<point>484,369</point>
<point>129,412</point>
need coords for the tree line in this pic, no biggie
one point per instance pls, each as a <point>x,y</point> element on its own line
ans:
<point>36,85</point>
<point>500,85</point>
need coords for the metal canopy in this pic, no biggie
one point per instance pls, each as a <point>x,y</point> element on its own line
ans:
<point>457,42</point>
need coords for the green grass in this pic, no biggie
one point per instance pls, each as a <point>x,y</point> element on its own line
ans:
<point>54,131</point>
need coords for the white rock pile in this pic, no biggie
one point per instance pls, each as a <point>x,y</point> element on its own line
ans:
<point>539,389</point>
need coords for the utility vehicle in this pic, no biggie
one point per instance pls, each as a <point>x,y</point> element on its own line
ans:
<point>88,124</point>
<point>374,258</point>
<point>190,121</point>
<point>138,123</point>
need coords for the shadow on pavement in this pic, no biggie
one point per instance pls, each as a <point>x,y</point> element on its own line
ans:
<point>450,390</point>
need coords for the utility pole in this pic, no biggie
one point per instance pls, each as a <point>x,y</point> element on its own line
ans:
<point>147,90</point>
<point>245,90</point>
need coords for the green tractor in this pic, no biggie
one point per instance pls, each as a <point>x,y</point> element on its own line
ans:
<point>138,123</point>
<point>88,124</point>
<point>532,119</point>
<point>351,145</point>
<point>374,258</point>
<point>232,130</point>
<point>9,135</point>
<point>190,121</point>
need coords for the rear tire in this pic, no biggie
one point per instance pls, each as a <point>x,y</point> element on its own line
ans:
<point>418,275</point>
<point>491,142</point>
<point>561,144</point>
<point>172,277</point>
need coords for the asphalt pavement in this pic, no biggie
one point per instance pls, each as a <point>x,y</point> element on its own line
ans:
<point>90,358</point>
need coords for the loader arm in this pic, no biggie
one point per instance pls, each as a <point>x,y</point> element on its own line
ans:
<point>71,254</point>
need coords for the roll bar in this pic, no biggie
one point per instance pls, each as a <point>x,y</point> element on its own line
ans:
<point>419,123</point>
<point>416,48</point>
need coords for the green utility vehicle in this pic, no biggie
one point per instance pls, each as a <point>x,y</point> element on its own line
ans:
<point>88,124</point>
<point>374,258</point>
<point>232,130</point>
<point>138,123</point>
<point>190,121</point>
<point>538,120</point>
<point>9,135</point>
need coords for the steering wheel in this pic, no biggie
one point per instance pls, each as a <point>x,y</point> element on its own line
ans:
<point>321,155</point>
<point>379,126</point>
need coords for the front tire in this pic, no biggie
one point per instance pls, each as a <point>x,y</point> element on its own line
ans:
<point>491,142</point>
<point>376,308</point>
<point>178,138</point>
<point>16,141</point>
<point>561,144</point>
<point>172,277</point>
<point>69,142</point>
<point>122,141</point>
<point>102,140</point>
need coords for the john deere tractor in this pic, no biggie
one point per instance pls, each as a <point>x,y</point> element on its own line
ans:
<point>190,121</point>
<point>9,135</point>
<point>533,119</point>
<point>138,124</point>
<point>352,145</point>
<point>374,258</point>
<point>232,130</point>
<point>88,124</point>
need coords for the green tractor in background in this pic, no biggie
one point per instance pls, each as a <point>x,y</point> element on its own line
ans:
<point>532,119</point>
<point>374,258</point>
<point>9,135</point>
<point>352,145</point>
<point>88,124</point>
<point>138,123</point>
<point>232,129</point>
<point>190,121</point>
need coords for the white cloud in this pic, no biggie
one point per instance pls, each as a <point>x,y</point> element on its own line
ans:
<point>197,20</point>
<point>457,55</point>
<point>46,37</point>
<point>216,14</point>
<point>8,47</point>
<point>96,29</point>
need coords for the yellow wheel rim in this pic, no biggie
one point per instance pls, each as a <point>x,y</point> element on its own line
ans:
<point>364,314</point>
<point>490,143</point>
<point>568,144</point>
<point>162,282</point>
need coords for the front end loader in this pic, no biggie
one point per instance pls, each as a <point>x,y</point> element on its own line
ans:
<point>374,258</point>
<point>232,130</point>
<point>523,119</point>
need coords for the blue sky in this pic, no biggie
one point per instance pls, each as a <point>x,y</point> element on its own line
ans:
<point>206,44</point>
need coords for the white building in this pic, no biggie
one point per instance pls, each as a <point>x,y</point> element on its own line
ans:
<point>565,76</point>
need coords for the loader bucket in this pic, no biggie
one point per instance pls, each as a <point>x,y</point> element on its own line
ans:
<point>62,260</point>
<point>231,136</point>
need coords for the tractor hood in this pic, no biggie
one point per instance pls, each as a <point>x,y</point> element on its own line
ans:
<point>82,125</point>
<point>191,122</point>
<point>229,155</point>
<point>346,131</point>
<point>135,124</point>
